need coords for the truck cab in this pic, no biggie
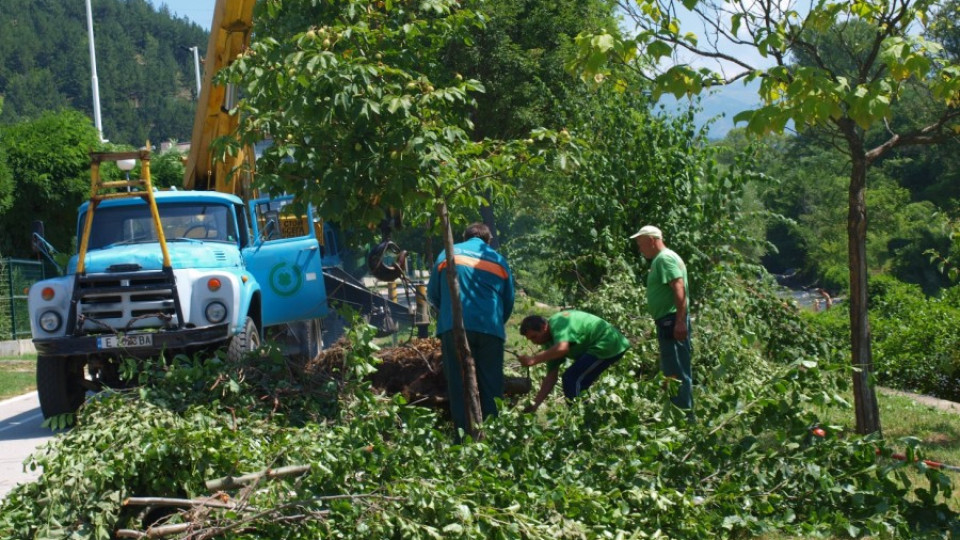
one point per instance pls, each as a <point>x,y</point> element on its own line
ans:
<point>215,273</point>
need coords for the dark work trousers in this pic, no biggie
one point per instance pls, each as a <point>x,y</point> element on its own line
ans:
<point>487,351</point>
<point>579,376</point>
<point>675,360</point>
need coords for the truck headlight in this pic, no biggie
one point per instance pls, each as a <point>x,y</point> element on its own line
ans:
<point>215,312</point>
<point>49,321</point>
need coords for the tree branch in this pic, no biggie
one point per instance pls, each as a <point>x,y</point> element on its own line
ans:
<point>228,482</point>
<point>209,502</point>
<point>932,134</point>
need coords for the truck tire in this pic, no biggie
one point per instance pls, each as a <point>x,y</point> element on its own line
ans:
<point>246,341</point>
<point>60,385</point>
<point>308,339</point>
<point>334,327</point>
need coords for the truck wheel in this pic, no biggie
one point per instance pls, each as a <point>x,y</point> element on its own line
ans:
<point>334,327</point>
<point>60,385</point>
<point>308,338</point>
<point>243,343</point>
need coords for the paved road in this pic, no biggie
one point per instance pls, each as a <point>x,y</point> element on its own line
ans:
<point>20,434</point>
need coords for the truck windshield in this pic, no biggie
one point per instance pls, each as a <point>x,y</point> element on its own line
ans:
<point>133,224</point>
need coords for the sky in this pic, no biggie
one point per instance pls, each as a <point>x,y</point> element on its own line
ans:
<point>198,11</point>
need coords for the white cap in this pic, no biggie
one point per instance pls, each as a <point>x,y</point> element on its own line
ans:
<point>648,230</point>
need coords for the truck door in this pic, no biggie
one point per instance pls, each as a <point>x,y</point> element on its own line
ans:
<point>284,257</point>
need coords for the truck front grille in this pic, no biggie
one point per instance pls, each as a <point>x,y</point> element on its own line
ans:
<point>115,302</point>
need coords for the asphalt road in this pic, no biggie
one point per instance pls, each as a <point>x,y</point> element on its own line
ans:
<point>20,434</point>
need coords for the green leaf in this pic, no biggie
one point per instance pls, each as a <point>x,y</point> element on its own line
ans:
<point>658,49</point>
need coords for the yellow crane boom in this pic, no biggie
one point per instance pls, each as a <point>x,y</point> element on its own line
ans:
<point>229,36</point>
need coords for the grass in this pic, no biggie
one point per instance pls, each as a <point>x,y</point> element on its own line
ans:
<point>901,416</point>
<point>17,375</point>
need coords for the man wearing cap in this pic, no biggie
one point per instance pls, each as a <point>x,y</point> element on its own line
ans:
<point>591,342</point>
<point>667,303</point>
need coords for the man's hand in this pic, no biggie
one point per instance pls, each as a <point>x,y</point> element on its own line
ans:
<point>525,360</point>
<point>680,329</point>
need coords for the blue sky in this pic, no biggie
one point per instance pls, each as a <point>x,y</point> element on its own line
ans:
<point>198,11</point>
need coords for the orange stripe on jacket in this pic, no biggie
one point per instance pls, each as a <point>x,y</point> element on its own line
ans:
<point>477,264</point>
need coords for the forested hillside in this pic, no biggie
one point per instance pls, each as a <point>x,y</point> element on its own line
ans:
<point>145,70</point>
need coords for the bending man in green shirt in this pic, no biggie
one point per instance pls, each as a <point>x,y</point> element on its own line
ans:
<point>667,302</point>
<point>592,343</point>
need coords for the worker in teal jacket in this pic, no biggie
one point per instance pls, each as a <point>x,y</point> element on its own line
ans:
<point>487,294</point>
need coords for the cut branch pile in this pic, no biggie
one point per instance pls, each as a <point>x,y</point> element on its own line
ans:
<point>201,518</point>
<point>413,369</point>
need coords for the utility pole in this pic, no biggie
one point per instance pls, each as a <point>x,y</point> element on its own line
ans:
<point>93,75</point>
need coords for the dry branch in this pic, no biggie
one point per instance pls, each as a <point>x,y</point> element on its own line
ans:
<point>210,502</point>
<point>230,482</point>
<point>155,532</point>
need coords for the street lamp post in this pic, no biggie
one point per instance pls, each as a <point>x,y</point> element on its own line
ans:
<point>93,74</point>
<point>127,165</point>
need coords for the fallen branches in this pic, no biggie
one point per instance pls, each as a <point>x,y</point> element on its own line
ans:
<point>199,523</point>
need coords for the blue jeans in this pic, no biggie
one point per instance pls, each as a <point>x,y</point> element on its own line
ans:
<point>579,376</point>
<point>487,351</point>
<point>675,360</point>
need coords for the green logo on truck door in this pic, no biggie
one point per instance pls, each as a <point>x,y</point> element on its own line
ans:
<point>285,279</point>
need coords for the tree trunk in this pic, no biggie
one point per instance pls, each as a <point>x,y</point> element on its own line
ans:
<point>471,393</point>
<point>865,399</point>
<point>489,219</point>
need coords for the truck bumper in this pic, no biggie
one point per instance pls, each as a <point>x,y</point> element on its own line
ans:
<point>174,340</point>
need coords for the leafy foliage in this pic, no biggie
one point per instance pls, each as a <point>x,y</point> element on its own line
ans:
<point>49,159</point>
<point>360,104</point>
<point>916,337</point>
<point>519,54</point>
<point>838,91</point>
<point>810,193</point>
<point>6,178</point>
<point>637,168</point>
<point>619,461</point>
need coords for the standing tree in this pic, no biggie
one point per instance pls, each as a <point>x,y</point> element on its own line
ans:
<point>365,116</point>
<point>519,54</point>
<point>844,90</point>
<point>6,177</point>
<point>49,161</point>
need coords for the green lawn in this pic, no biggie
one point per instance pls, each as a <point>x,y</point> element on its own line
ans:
<point>17,375</point>
<point>900,416</point>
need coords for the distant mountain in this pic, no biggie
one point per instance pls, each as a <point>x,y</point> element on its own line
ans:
<point>145,70</point>
<point>719,107</point>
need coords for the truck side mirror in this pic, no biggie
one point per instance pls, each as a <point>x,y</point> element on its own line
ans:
<point>36,229</point>
<point>270,229</point>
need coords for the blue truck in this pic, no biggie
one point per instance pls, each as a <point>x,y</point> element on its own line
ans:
<point>166,272</point>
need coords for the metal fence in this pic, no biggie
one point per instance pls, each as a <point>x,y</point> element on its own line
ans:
<point>16,277</point>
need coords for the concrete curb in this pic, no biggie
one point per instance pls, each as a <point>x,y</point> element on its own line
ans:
<point>937,403</point>
<point>21,397</point>
<point>17,347</point>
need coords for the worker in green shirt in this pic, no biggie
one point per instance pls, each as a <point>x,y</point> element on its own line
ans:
<point>668,304</point>
<point>591,342</point>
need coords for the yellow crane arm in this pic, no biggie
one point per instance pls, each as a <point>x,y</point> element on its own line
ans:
<point>229,36</point>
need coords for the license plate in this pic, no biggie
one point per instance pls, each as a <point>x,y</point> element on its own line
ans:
<point>126,341</point>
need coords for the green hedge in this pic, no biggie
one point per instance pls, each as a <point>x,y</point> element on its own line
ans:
<point>915,338</point>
